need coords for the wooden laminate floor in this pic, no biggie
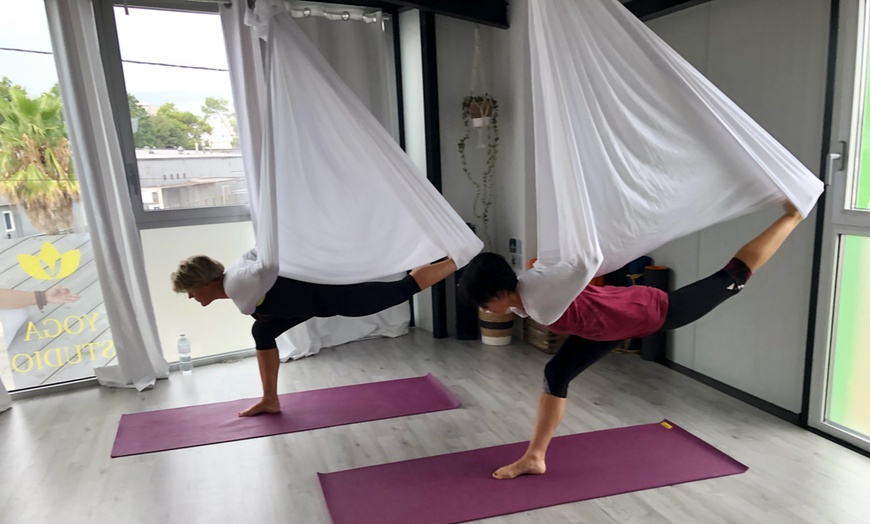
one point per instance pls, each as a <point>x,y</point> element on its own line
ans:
<point>54,450</point>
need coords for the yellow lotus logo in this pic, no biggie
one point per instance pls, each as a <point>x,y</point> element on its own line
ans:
<point>50,264</point>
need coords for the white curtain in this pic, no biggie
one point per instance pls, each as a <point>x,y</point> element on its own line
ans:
<point>634,147</point>
<point>362,56</point>
<point>351,205</point>
<point>100,168</point>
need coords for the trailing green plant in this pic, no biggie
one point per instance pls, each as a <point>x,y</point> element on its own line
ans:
<point>476,106</point>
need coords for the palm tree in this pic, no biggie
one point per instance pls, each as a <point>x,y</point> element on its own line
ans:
<point>36,170</point>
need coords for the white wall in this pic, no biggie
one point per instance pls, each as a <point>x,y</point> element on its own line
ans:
<point>505,56</point>
<point>455,49</point>
<point>455,41</point>
<point>514,187</point>
<point>515,183</point>
<point>769,56</point>
<point>362,55</point>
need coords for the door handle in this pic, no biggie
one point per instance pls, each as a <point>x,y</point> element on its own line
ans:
<point>833,157</point>
<point>829,166</point>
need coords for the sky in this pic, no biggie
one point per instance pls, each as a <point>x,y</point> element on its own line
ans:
<point>168,37</point>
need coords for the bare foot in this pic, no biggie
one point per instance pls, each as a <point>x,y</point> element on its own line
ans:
<point>263,406</point>
<point>524,466</point>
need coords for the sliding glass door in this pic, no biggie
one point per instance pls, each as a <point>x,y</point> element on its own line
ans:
<point>840,389</point>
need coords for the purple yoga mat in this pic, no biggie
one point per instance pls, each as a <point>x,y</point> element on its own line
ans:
<point>458,487</point>
<point>210,423</point>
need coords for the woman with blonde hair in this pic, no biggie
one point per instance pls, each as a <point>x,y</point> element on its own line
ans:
<point>278,303</point>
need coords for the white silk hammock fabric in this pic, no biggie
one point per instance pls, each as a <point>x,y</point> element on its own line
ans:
<point>634,147</point>
<point>332,190</point>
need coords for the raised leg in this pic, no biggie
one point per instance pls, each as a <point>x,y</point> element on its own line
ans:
<point>691,302</point>
<point>367,298</point>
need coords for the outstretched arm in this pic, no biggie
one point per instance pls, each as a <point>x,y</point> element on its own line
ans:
<point>14,299</point>
<point>759,250</point>
<point>429,275</point>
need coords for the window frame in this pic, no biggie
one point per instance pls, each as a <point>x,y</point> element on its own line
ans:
<point>110,55</point>
<point>9,221</point>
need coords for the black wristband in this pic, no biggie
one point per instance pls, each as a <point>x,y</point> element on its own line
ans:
<point>40,299</point>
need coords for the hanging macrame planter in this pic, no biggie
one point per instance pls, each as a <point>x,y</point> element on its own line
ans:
<point>481,109</point>
<point>480,112</point>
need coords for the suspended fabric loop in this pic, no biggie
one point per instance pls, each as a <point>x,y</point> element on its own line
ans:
<point>246,58</point>
<point>336,197</point>
<point>634,147</point>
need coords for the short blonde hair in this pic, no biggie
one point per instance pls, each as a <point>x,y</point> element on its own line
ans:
<point>194,272</point>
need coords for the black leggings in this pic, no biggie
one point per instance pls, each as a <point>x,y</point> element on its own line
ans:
<point>685,305</point>
<point>291,302</point>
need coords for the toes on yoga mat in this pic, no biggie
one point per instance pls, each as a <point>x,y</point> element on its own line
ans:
<point>305,410</point>
<point>458,487</point>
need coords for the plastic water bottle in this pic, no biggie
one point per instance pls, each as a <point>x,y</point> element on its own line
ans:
<point>184,355</point>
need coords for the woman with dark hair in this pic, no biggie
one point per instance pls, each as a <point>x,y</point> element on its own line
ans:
<point>278,303</point>
<point>600,318</point>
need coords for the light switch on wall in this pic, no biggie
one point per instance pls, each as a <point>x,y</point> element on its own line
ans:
<point>516,251</point>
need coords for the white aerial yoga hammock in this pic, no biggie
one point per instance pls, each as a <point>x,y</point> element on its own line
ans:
<point>634,147</point>
<point>333,191</point>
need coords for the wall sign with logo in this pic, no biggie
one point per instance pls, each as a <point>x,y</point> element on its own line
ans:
<point>52,315</point>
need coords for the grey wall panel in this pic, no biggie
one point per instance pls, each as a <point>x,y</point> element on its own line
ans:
<point>769,56</point>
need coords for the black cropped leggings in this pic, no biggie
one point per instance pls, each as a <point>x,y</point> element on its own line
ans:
<point>292,302</point>
<point>685,305</point>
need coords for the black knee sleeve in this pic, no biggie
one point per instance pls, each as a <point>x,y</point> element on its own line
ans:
<point>689,303</point>
<point>266,330</point>
<point>575,355</point>
<point>738,272</point>
<point>555,380</point>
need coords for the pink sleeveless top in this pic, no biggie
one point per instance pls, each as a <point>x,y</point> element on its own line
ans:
<point>614,313</point>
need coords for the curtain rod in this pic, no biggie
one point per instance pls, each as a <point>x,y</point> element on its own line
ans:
<point>337,12</point>
<point>296,8</point>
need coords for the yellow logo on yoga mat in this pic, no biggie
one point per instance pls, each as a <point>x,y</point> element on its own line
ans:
<point>50,264</point>
<point>667,426</point>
